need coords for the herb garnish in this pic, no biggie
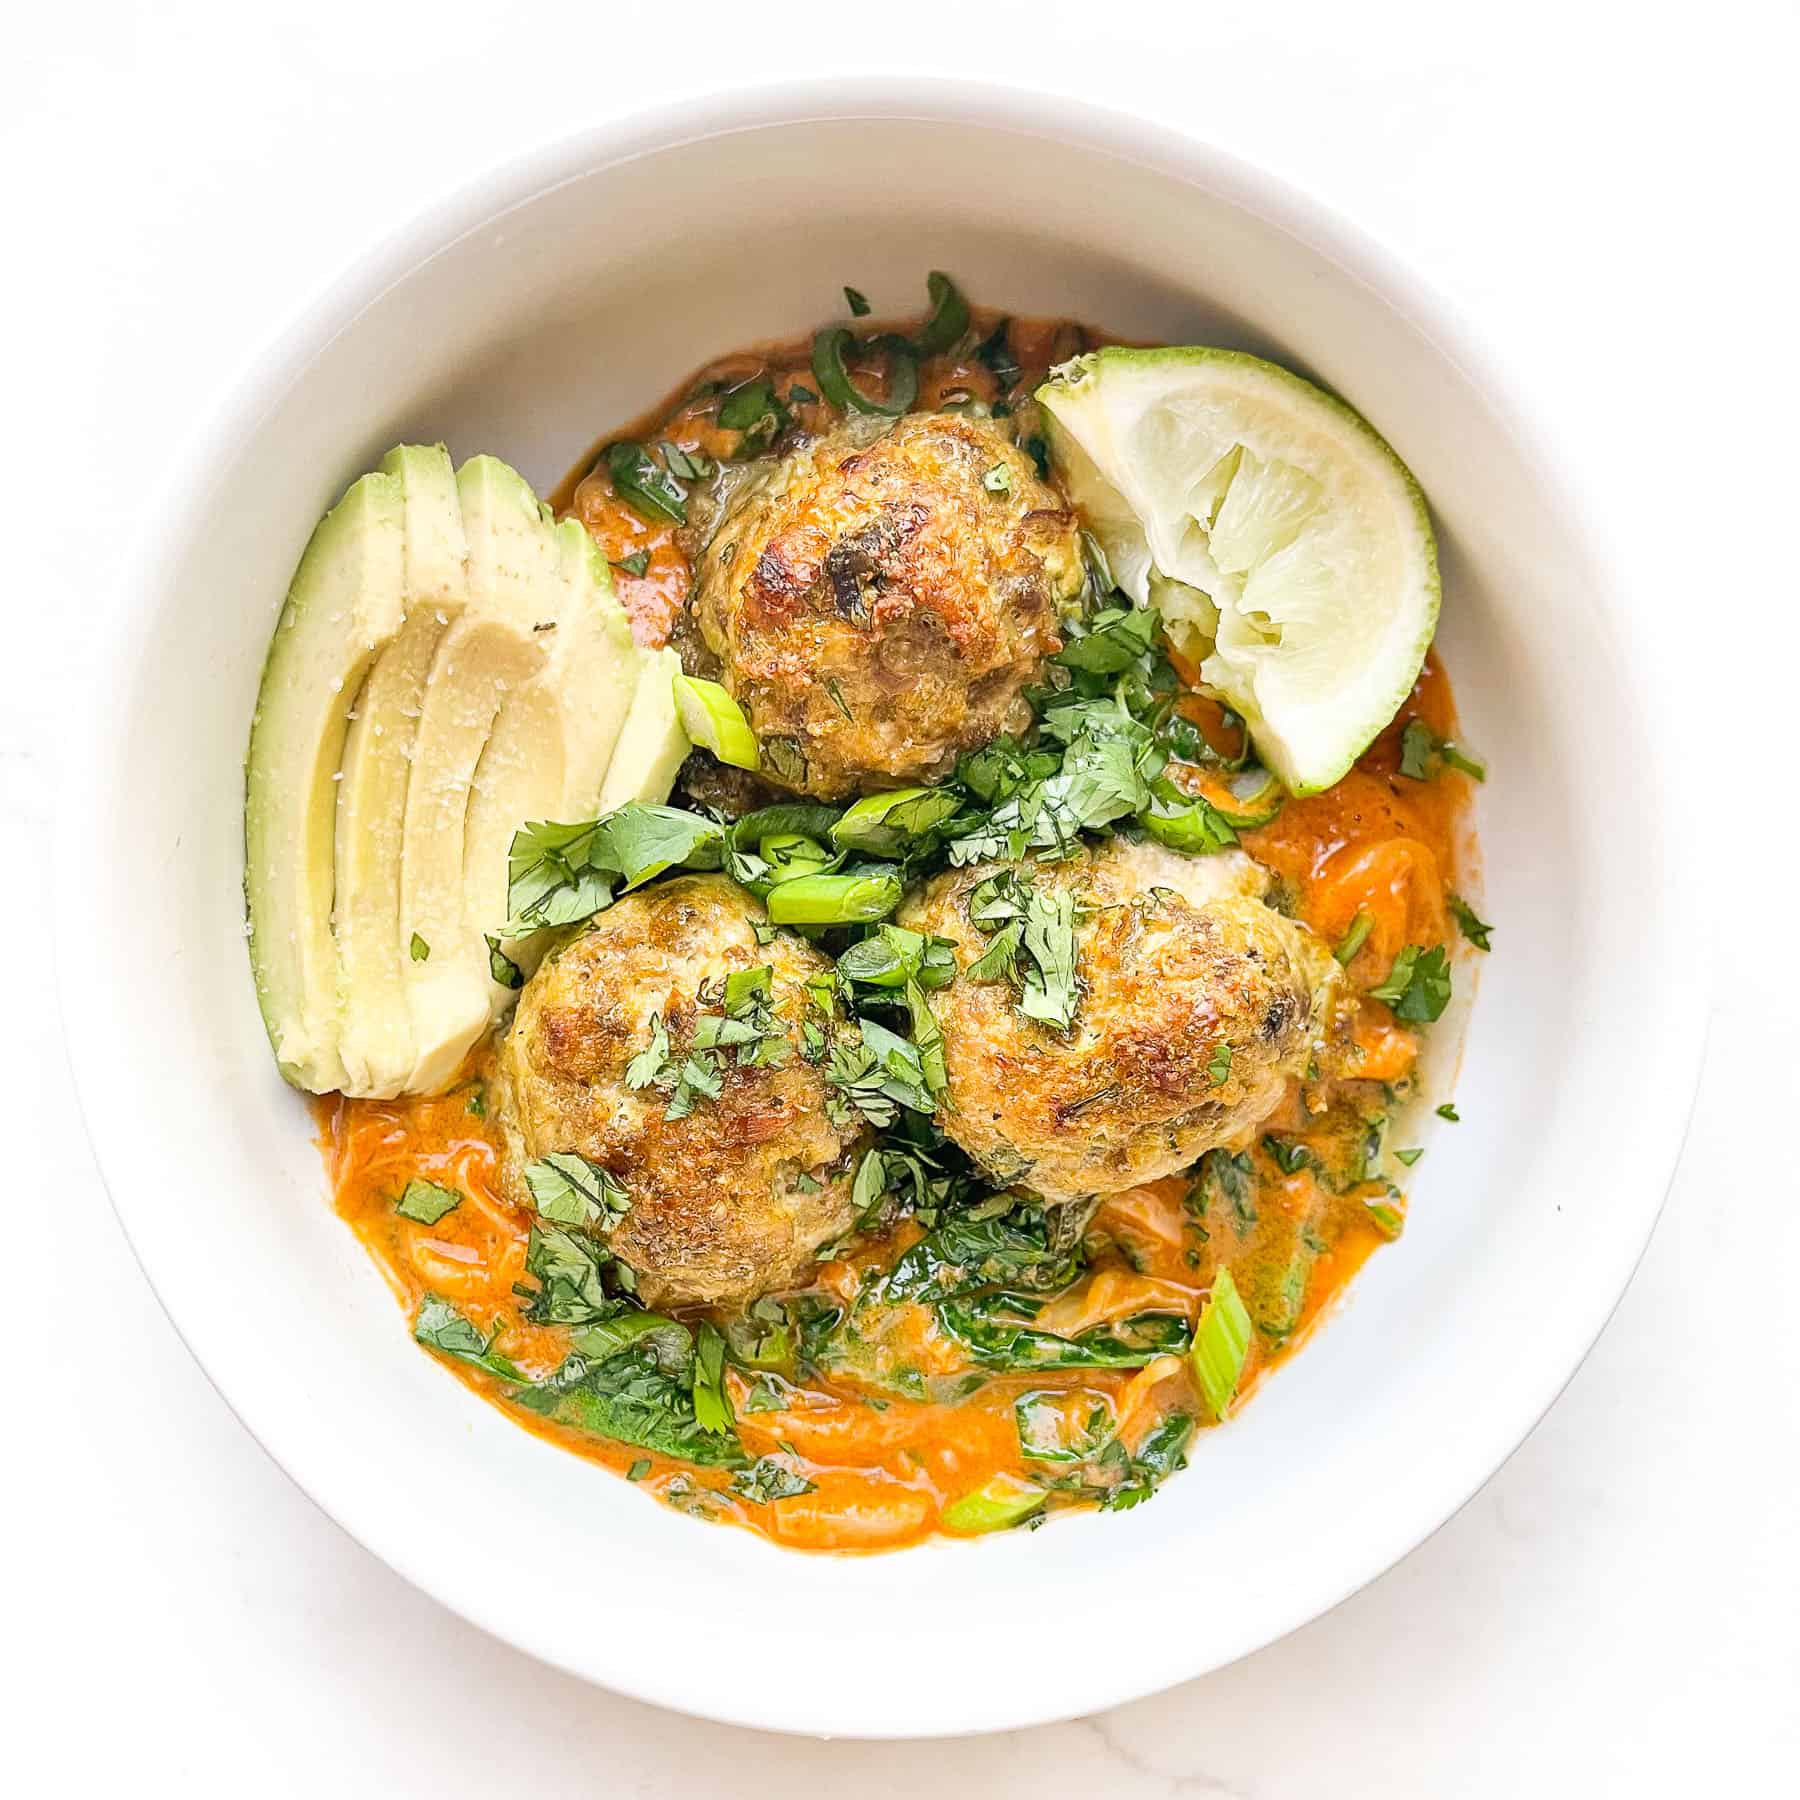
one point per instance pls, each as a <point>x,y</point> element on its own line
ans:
<point>1354,939</point>
<point>769,1478</point>
<point>1472,926</point>
<point>419,949</point>
<point>572,1190</point>
<point>1418,985</point>
<point>1423,754</point>
<point>643,483</point>
<point>425,1202</point>
<point>441,1327</point>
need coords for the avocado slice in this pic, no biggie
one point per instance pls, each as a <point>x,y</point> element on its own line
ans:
<point>377,1045</point>
<point>450,664</point>
<point>653,746</point>
<point>553,740</point>
<point>489,652</point>
<point>344,607</point>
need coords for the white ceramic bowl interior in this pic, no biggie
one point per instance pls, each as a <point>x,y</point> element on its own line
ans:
<point>568,294</point>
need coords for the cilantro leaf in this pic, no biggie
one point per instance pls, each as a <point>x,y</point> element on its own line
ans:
<point>1049,994</point>
<point>647,1066</point>
<point>439,1326</point>
<point>1418,985</point>
<point>568,1266</point>
<point>572,1190</point>
<point>425,1202</point>
<point>1470,923</point>
<point>769,1478</point>
<point>1423,755</point>
<point>632,1399</point>
<point>712,1404</point>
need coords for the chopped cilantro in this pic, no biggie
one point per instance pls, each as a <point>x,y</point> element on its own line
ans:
<point>571,1190</point>
<point>1418,985</point>
<point>1472,926</point>
<point>502,967</point>
<point>1354,939</point>
<point>768,1478</point>
<point>712,1404</point>
<point>426,1202</point>
<point>1218,1066</point>
<point>439,1326</point>
<point>1423,753</point>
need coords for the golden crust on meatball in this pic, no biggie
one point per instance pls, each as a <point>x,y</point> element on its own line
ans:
<point>878,607</point>
<point>1197,1004</point>
<point>732,1200</point>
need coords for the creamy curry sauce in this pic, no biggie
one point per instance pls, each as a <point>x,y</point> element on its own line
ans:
<point>1288,1213</point>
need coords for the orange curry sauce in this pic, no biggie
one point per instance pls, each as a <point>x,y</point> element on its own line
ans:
<point>883,1464</point>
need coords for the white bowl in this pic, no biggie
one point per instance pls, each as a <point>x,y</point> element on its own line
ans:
<point>569,292</point>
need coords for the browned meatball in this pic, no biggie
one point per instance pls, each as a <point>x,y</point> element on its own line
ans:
<point>878,606</point>
<point>1197,1003</point>
<point>733,1199</point>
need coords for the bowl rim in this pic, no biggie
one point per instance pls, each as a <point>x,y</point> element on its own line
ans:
<point>333,308</point>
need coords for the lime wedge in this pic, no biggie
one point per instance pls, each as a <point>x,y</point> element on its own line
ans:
<point>1286,545</point>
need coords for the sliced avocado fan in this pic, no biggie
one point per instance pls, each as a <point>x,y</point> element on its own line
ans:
<point>450,664</point>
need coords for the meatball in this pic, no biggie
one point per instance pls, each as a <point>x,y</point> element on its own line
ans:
<point>1178,963</point>
<point>733,1199</point>
<point>877,605</point>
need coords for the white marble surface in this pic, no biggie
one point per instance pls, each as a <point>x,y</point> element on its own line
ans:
<point>1616,1612</point>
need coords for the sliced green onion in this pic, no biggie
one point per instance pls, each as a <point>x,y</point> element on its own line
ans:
<point>1457,758</point>
<point>998,479</point>
<point>790,854</point>
<point>834,379</point>
<point>641,481</point>
<point>857,301</point>
<point>1004,1501</point>
<point>754,410</point>
<point>1386,1219</point>
<point>1448,1111</point>
<point>883,824</point>
<point>715,721</point>
<point>1409,1157</point>
<point>1354,939</point>
<point>1221,1342</point>
<point>834,899</point>
<point>949,318</point>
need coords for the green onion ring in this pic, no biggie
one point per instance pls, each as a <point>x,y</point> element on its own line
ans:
<point>949,318</point>
<point>837,387</point>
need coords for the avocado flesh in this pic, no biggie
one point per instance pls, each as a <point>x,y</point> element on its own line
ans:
<point>553,740</point>
<point>343,608</point>
<point>377,1045</point>
<point>450,664</point>
<point>487,654</point>
<point>652,746</point>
